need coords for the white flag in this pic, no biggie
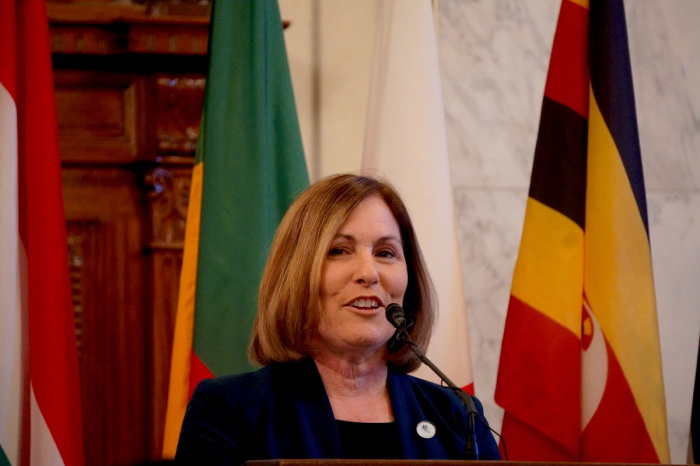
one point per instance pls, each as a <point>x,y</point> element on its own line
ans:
<point>405,141</point>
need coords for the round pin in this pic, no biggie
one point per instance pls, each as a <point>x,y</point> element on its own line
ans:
<point>426,429</point>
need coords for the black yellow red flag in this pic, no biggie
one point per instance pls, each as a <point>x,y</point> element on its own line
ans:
<point>580,372</point>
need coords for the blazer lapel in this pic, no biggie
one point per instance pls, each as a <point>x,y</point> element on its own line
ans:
<point>414,410</point>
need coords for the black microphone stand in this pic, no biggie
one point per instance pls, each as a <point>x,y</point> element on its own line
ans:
<point>472,448</point>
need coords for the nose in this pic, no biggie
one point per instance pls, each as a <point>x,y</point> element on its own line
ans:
<point>366,272</point>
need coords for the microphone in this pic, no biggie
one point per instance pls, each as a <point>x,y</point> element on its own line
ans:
<point>397,317</point>
<point>401,322</point>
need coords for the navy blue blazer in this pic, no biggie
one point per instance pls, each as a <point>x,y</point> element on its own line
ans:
<point>282,411</point>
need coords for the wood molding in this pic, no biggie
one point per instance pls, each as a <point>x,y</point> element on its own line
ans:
<point>101,28</point>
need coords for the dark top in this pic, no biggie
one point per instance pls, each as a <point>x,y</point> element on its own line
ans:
<point>282,411</point>
<point>361,440</point>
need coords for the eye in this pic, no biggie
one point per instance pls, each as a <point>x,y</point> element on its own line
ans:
<point>387,253</point>
<point>336,251</point>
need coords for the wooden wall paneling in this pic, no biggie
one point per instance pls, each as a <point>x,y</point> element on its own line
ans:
<point>104,212</point>
<point>99,118</point>
<point>129,90</point>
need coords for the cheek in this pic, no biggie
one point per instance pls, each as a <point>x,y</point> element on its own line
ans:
<point>399,284</point>
<point>329,279</point>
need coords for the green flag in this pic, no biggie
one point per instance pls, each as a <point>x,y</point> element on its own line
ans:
<point>249,168</point>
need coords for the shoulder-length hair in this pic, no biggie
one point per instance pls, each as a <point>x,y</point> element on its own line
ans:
<point>289,297</point>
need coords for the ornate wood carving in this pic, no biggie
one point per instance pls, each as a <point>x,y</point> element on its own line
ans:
<point>179,102</point>
<point>156,38</point>
<point>79,246</point>
<point>100,28</point>
<point>169,205</point>
<point>168,201</point>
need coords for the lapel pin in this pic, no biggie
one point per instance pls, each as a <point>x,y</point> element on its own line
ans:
<point>426,429</point>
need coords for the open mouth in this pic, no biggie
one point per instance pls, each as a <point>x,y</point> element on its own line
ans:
<point>366,304</point>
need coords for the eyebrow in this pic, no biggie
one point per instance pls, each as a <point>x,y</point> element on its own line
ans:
<point>381,240</point>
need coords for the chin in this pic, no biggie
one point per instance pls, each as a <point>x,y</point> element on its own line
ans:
<point>376,344</point>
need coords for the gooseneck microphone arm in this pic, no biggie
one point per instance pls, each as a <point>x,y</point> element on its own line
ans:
<point>397,317</point>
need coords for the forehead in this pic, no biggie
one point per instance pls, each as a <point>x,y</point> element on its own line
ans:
<point>372,214</point>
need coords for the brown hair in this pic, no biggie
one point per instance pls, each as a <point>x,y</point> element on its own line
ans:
<point>288,301</point>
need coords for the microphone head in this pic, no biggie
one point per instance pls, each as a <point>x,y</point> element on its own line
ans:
<point>395,315</point>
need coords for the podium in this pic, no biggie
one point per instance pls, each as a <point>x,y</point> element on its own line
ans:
<point>345,462</point>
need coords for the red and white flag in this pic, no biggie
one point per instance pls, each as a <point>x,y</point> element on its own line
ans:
<point>40,416</point>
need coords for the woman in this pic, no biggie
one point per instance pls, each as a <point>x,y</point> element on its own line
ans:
<point>330,387</point>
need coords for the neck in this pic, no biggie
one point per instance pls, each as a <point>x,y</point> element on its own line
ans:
<point>357,389</point>
<point>352,375</point>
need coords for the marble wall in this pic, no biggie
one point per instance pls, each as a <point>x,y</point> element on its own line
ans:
<point>494,56</point>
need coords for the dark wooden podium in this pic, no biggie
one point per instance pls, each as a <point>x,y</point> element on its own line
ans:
<point>343,462</point>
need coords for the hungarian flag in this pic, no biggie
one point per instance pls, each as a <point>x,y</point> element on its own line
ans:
<point>248,169</point>
<point>406,142</point>
<point>40,416</point>
<point>580,372</point>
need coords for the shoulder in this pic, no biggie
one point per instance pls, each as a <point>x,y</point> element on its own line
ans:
<point>233,418</point>
<point>254,381</point>
<point>251,387</point>
<point>231,396</point>
<point>438,394</point>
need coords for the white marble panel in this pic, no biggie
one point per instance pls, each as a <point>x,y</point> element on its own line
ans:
<point>494,56</point>
<point>664,38</point>
<point>674,223</point>
<point>489,225</point>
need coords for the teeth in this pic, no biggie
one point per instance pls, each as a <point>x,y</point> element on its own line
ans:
<point>366,303</point>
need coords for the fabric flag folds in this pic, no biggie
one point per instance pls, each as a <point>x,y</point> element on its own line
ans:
<point>248,169</point>
<point>580,373</point>
<point>40,416</point>
<point>405,141</point>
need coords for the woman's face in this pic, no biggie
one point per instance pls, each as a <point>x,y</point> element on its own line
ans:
<point>364,271</point>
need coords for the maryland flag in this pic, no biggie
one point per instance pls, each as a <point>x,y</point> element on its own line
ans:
<point>248,169</point>
<point>580,372</point>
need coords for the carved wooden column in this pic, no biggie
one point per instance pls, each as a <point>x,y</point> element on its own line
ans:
<point>178,111</point>
<point>168,202</point>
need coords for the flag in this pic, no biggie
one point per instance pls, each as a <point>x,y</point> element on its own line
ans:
<point>11,374</point>
<point>580,372</point>
<point>40,416</point>
<point>248,169</point>
<point>405,141</point>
